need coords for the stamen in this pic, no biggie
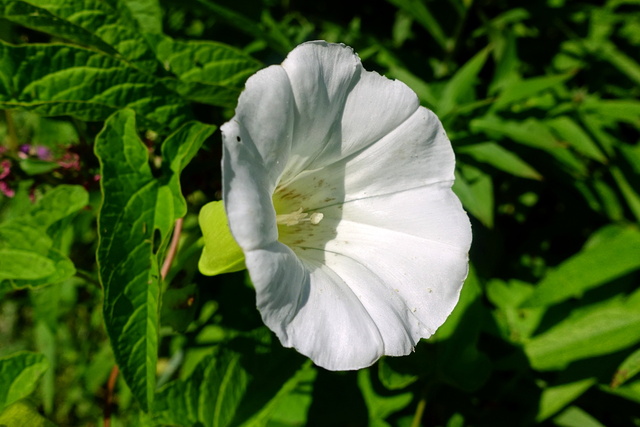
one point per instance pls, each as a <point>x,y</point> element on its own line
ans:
<point>295,218</point>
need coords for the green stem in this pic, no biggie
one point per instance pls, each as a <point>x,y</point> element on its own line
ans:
<point>417,416</point>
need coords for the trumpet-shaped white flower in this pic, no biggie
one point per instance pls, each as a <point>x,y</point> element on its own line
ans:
<point>337,188</point>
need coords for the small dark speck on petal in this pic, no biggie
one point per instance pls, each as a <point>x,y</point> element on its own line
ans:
<point>238,138</point>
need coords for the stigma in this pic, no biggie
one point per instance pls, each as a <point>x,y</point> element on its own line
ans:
<point>298,217</point>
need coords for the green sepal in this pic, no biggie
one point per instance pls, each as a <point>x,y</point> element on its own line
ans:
<point>221,253</point>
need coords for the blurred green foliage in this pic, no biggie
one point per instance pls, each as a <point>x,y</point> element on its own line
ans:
<point>541,101</point>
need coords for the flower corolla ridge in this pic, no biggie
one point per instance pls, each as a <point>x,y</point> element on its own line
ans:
<point>337,188</point>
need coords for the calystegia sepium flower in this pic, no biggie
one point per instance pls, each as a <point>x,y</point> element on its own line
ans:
<point>337,190</point>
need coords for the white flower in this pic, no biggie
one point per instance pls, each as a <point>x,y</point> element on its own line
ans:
<point>337,188</point>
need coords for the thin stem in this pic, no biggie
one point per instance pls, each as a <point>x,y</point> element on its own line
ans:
<point>173,248</point>
<point>417,416</point>
<point>87,277</point>
<point>111,385</point>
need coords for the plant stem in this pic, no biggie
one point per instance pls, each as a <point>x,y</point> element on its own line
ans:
<point>417,416</point>
<point>111,385</point>
<point>173,248</point>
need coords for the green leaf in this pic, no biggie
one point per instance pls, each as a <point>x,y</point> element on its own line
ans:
<point>208,72</point>
<point>555,398</point>
<point>37,167</point>
<point>391,378</point>
<point>56,80</point>
<point>221,253</point>
<point>209,396</point>
<point>500,158</point>
<point>19,375</point>
<point>516,324</point>
<point>517,90</point>
<point>614,255</point>
<point>596,331</point>
<point>147,13</point>
<point>625,110</point>
<point>241,385</point>
<point>576,417</point>
<point>134,225</point>
<point>475,190</point>
<point>380,406</point>
<point>630,194</point>
<point>108,27</point>
<point>462,84</point>
<point>37,18</point>
<point>532,133</point>
<point>627,369</point>
<point>28,255</point>
<point>418,10</point>
<point>609,52</point>
<point>23,414</point>
<point>569,131</point>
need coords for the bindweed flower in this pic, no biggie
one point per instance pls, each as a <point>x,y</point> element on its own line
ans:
<point>337,188</point>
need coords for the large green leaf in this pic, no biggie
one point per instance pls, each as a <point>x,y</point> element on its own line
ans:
<point>109,30</point>
<point>19,374</point>
<point>134,225</point>
<point>614,252</point>
<point>594,331</point>
<point>207,72</point>
<point>59,79</point>
<point>30,16</point>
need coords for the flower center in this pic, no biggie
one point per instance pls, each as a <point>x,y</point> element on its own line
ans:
<point>298,217</point>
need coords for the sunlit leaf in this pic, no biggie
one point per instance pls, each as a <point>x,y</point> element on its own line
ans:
<point>57,80</point>
<point>556,397</point>
<point>500,158</point>
<point>600,330</point>
<point>107,27</point>
<point>135,222</point>
<point>614,255</point>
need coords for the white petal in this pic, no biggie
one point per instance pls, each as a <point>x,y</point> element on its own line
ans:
<point>265,114</point>
<point>321,76</point>
<point>403,255</point>
<point>310,308</point>
<point>375,107</point>
<point>247,190</point>
<point>281,283</point>
<point>415,154</point>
